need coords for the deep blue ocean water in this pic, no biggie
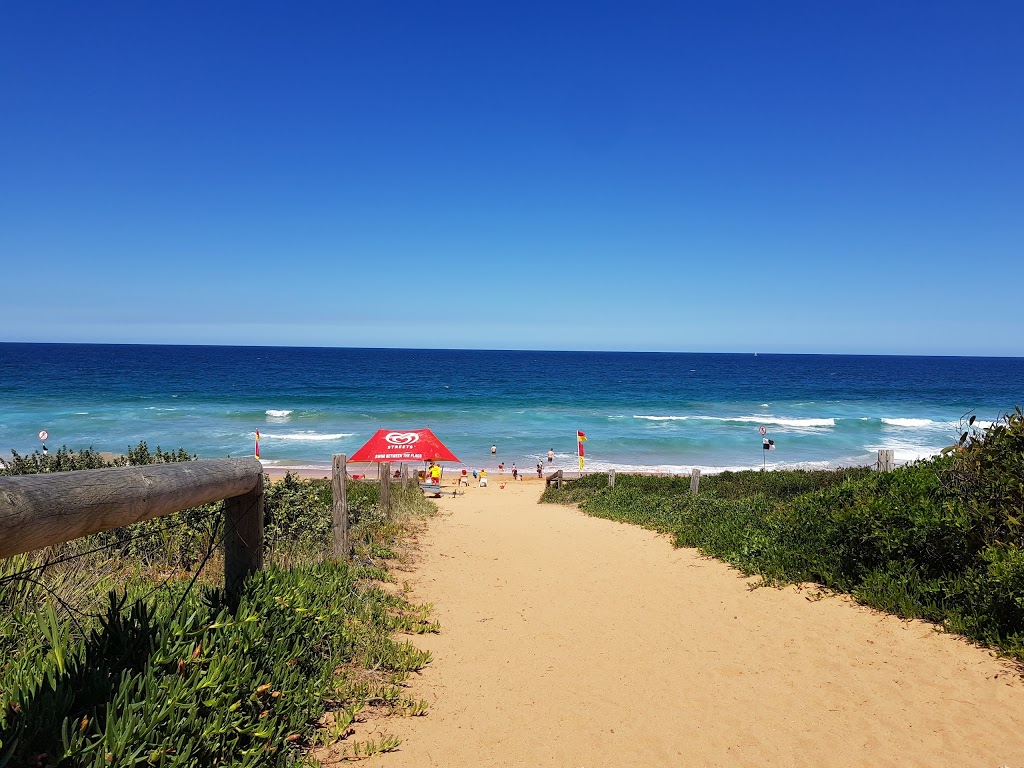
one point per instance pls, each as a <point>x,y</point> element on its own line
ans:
<point>641,411</point>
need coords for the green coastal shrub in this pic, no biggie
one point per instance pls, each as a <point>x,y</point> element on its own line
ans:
<point>66,460</point>
<point>986,469</point>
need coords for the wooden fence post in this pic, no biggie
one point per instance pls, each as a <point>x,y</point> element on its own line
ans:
<point>385,487</point>
<point>243,539</point>
<point>694,480</point>
<point>611,478</point>
<point>885,460</point>
<point>339,506</point>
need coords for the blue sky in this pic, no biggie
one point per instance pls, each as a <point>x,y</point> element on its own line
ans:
<point>737,176</point>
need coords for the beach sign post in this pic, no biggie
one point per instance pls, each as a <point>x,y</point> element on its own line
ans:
<point>581,438</point>
<point>766,445</point>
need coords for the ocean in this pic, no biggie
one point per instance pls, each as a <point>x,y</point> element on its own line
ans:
<point>653,412</point>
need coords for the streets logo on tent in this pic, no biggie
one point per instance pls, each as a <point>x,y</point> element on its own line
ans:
<point>401,438</point>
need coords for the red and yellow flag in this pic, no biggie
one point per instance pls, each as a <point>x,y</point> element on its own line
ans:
<point>581,438</point>
<point>257,443</point>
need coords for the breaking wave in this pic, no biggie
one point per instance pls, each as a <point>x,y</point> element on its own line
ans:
<point>317,436</point>
<point>910,422</point>
<point>774,420</point>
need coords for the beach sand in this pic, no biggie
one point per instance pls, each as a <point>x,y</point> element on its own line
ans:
<point>569,640</point>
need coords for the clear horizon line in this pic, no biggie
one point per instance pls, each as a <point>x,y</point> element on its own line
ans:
<point>510,349</point>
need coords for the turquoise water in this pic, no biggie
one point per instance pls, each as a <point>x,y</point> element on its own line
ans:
<point>650,412</point>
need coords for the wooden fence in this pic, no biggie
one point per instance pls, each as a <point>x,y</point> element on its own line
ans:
<point>885,463</point>
<point>39,511</point>
<point>42,510</point>
<point>555,479</point>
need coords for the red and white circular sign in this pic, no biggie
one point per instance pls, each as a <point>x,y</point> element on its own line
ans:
<point>763,430</point>
<point>43,434</point>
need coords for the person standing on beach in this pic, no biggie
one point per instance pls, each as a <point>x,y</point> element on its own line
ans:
<point>551,455</point>
<point>540,469</point>
<point>515,472</point>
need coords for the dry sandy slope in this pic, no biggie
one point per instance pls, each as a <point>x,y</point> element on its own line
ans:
<point>573,641</point>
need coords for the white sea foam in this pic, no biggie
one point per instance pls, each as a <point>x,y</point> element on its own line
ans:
<point>317,436</point>
<point>686,469</point>
<point>277,416</point>
<point>775,420</point>
<point>296,465</point>
<point>783,422</point>
<point>910,422</point>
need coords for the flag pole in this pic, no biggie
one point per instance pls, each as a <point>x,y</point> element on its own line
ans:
<point>580,439</point>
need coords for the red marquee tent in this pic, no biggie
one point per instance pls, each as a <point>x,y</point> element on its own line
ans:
<point>408,445</point>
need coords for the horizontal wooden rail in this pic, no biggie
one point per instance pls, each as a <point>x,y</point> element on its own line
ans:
<point>41,510</point>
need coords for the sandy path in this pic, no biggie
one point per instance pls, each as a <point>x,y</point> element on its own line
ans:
<point>573,641</point>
